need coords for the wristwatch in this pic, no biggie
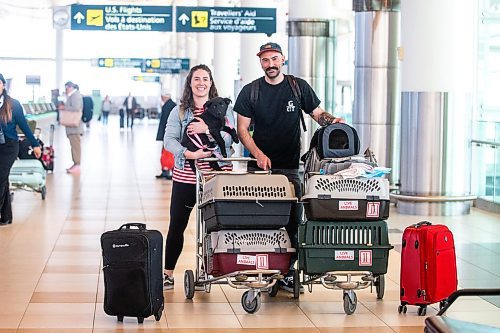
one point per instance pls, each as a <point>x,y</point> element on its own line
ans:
<point>207,132</point>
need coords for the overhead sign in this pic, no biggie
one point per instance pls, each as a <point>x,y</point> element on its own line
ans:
<point>146,78</point>
<point>121,18</point>
<point>120,62</point>
<point>226,19</point>
<point>165,65</point>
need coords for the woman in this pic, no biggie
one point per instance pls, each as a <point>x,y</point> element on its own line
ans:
<point>11,115</point>
<point>106,109</point>
<point>198,89</point>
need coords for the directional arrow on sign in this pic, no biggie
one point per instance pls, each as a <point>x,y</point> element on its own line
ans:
<point>183,18</point>
<point>79,17</point>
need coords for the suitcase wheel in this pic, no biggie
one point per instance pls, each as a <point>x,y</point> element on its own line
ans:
<point>44,192</point>
<point>422,311</point>
<point>402,309</point>
<point>140,320</point>
<point>119,318</point>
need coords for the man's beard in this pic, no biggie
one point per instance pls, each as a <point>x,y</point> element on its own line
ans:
<point>272,76</point>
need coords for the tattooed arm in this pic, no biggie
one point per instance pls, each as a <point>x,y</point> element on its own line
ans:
<point>323,118</point>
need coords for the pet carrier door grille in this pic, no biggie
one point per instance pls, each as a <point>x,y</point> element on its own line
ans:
<point>347,185</point>
<point>233,191</point>
<point>256,239</point>
<point>346,235</point>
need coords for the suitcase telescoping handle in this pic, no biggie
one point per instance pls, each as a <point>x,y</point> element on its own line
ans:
<point>140,226</point>
<point>422,224</point>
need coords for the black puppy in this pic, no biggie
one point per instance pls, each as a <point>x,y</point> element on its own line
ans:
<point>215,118</point>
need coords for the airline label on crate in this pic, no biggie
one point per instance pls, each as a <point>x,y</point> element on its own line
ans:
<point>373,209</point>
<point>344,255</point>
<point>262,261</point>
<point>245,260</point>
<point>348,205</point>
<point>365,257</point>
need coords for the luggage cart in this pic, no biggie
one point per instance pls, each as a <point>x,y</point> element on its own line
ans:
<point>213,215</point>
<point>357,252</point>
<point>28,175</point>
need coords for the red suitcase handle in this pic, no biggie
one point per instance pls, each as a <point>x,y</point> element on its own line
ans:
<point>422,224</point>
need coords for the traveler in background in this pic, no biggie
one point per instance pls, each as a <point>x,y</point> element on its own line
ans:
<point>130,105</point>
<point>74,103</point>
<point>11,115</point>
<point>276,115</point>
<point>166,158</point>
<point>198,89</point>
<point>106,109</point>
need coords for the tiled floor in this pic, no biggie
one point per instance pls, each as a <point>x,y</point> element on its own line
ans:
<point>51,281</point>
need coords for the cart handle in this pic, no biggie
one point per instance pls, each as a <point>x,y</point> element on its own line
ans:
<point>466,292</point>
<point>227,159</point>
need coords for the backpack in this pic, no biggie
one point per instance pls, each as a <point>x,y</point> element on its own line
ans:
<point>254,95</point>
<point>88,109</point>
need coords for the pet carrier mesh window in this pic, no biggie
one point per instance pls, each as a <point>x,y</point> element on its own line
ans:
<point>256,238</point>
<point>254,191</point>
<point>347,235</point>
<point>347,185</point>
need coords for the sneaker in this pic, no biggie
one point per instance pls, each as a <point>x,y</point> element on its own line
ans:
<point>287,284</point>
<point>168,282</point>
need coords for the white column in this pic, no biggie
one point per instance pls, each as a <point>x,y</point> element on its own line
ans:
<point>249,46</point>
<point>437,45</point>
<point>225,69</point>
<point>205,50</point>
<point>59,58</point>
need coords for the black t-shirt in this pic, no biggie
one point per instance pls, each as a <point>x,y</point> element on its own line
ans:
<point>276,118</point>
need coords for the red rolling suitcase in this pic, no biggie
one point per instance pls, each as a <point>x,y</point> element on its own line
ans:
<point>428,266</point>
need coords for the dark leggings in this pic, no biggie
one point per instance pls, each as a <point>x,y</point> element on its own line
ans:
<point>182,201</point>
<point>8,153</point>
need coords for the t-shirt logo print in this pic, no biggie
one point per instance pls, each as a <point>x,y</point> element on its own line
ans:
<point>290,107</point>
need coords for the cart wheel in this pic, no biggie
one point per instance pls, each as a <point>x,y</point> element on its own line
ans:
<point>119,318</point>
<point>44,192</point>
<point>422,311</point>
<point>380,286</point>
<point>189,284</point>
<point>350,305</point>
<point>273,291</point>
<point>140,320</point>
<point>250,305</point>
<point>296,284</point>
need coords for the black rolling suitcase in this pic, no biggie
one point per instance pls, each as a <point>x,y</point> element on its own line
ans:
<point>133,277</point>
<point>441,324</point>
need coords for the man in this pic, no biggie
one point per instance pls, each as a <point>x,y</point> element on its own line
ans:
<point>130,105</point>
<point>74,103</point>
<point>166,159</point>
<point>276,116</point>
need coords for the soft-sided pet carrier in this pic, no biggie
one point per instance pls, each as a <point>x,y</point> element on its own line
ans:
<point>329,197</point>
<point>344,246</point>
<point>235,250</point>
<point>248,201</point>
<point>334,141</point>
